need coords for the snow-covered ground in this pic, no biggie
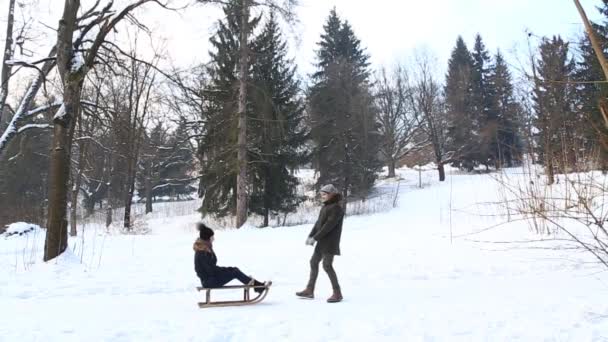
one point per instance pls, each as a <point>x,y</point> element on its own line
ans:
<point>418,272</point>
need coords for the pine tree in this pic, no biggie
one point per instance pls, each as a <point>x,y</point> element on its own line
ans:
<point>171,162</point>
<point>554,97</point>
<point>506,110</point>
<point>481,104</point>
<point>463,126</point>
<point>218,146</point>
<point>344,125</point>
<point>589,92</point>
<point>275,131</point>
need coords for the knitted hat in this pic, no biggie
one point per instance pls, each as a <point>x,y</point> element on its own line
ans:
<point>205,233</point>
<point>330,189</point>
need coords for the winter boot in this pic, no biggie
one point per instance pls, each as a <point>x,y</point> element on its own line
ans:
<point>258,289</point>
<point>336,297</point>
<point>306,293</point>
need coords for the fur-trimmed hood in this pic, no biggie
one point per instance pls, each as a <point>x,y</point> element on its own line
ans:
<point>201,245</point>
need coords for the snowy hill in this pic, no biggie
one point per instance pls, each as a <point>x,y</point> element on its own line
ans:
<point>423,271</point>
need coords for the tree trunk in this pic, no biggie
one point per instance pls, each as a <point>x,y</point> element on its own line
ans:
<point>59,173</point>
<point>549,163</point>
<point>266,215</point>
<point>109,213</point>
<point>63,129</point>
<point>345,199</point>
<point>110,206</point>
<point>76,191</point>
<point>128,205</point>
<point>267,194</point>
<point>391,168</point>
<point>132,169</point>
<point>8,54</point>
<point>241,179</point>
<point>148,187</point>
<point>441,170</point>
<point>129,196</point>
<point>56,236</point>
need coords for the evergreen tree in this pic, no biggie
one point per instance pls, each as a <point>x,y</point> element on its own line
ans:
<point>589,92</point>
<point>343,117</point>
<point>554,97</point>
<point>171,162</point>
<point>24,177</point>
<point>506,111</point>
<point>483,116</point>
<point>276,133</point>
<point>218,146</point>
<point>463,125</point>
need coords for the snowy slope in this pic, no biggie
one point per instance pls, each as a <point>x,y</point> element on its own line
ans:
<point>403,278</point>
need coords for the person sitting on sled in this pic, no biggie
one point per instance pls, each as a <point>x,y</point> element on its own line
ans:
<point>205,264</point>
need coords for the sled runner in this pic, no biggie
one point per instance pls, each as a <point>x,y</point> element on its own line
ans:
<point>247,300</point>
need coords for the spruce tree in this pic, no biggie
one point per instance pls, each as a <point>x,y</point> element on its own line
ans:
<point>276,132</point>
<point>463,125</point>
<point>554,97</point>
<point>506,111</point>
<point>343,117</point>
<point>589,92</point>
<point>483,117</point>
<point>172,176</point>
<point>218,145</point>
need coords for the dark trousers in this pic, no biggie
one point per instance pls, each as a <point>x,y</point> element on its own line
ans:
<point>328,260</point>
<point>224,275</point>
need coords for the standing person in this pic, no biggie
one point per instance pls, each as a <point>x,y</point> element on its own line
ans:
<point>326,233</point>
<point>205,264</point>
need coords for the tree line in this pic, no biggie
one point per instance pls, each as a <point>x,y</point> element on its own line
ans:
<point>100,126</point>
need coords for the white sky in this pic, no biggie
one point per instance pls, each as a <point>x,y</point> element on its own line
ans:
<point>390,30</point>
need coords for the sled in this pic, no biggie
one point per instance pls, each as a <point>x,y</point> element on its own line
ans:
<point>247,299</point>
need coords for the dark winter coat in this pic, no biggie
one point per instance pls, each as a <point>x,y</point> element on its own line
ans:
<point>328,228</point>
<point>205,265</point>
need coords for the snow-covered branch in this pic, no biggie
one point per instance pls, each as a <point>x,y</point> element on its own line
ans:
<point>42,109</point>
<point>32,126</point>
<point>26,102</point>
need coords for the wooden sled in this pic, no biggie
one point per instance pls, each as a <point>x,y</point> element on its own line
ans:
<point>247,300</point>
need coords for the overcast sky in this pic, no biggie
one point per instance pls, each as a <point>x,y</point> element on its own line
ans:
<point>390,30</point>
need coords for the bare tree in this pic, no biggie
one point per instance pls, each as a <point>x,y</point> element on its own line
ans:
<point>427,102</point>
<point>401,131</point>
<point>140,89</point>
<point>76,55</point>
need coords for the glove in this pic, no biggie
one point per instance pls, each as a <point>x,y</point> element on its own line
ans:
<point>310,241</point>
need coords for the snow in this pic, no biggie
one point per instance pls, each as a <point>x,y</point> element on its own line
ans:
<point>77,62</point>
<point>43,109</point>
<point>20,228</point>
<point>60,113</point>
<point>31,126</point>
<point>423,271</point>
<point>8,132</point>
